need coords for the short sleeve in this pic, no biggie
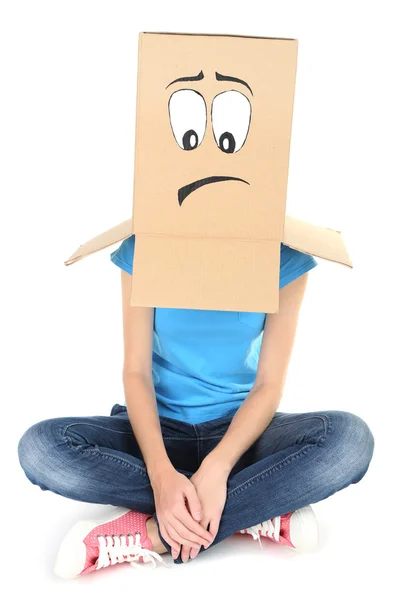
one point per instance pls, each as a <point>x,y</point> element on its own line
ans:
<point>123,255</point>
<point>294,264</point>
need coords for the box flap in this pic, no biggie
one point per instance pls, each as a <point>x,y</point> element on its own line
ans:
<point>318,241</point>
<point>107,238</point>
<point>312,239</point>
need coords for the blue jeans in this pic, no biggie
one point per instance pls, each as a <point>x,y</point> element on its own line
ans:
<point>300,459</point>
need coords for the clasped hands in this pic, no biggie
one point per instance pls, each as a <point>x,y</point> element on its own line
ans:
<point>189,510</point>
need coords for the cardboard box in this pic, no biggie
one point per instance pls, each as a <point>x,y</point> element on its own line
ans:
<point>213,129</point>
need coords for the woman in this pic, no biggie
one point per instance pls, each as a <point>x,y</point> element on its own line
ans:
<point>199,451</point>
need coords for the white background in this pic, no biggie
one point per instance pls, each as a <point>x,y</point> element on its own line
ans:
<point>68,79</point>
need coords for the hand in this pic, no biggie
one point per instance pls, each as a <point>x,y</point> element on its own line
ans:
<point>210,481</point>
<point>177,525</point>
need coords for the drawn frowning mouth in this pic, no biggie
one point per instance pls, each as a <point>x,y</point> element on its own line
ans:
<point>184,191</point>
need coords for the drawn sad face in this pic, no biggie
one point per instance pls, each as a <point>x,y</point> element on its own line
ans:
<point>230,113</point>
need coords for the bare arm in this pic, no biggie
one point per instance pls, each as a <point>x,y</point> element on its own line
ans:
<point>138,381</point>
<point>171,489</point>
<point>260,405</point>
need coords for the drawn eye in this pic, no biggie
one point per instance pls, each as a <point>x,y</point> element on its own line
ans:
<point>188,117</point>
<point>230,115</point>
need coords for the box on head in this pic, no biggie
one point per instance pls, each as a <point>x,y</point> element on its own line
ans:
<point>213,130</point>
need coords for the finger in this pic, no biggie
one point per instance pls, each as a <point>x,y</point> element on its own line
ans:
<point>214,526</point>
<point>185,517</point>
<point>175,546</point>
<point>185,553</point>
<point>174,534</point>
<point>193,502</point>
<point>194,552</point>
<point>205,522</point>
<point>185,533</point>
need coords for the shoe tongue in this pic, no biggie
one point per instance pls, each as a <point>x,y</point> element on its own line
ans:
<point>285,527</point>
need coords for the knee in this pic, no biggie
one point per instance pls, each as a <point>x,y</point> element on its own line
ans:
<point>353,446</point>
<point>35,448</point>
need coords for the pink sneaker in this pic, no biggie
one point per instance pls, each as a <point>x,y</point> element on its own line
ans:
<point>92,545</point>
<point>297,530</point>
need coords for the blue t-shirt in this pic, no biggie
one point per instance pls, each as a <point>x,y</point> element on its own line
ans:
<point>205,361</point>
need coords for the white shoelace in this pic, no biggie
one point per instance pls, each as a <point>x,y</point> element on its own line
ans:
<point>115,549</point>
<point>270,528</point>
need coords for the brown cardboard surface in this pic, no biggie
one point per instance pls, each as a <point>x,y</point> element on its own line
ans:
<point>217,273</point>
<point>107,238</point>
<point>318,241</point>
<point>231,208</point>
<point>238,196</point>
<point>226,35</point>
<point>312,239</point>
<point>213,128</point>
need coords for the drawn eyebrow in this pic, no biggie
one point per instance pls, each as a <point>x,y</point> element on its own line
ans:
<point>190,78</point>
<point>229,78</point>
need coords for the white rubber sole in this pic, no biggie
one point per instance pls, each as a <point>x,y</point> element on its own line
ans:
<point>71,557</point>
<point>304,530</point>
